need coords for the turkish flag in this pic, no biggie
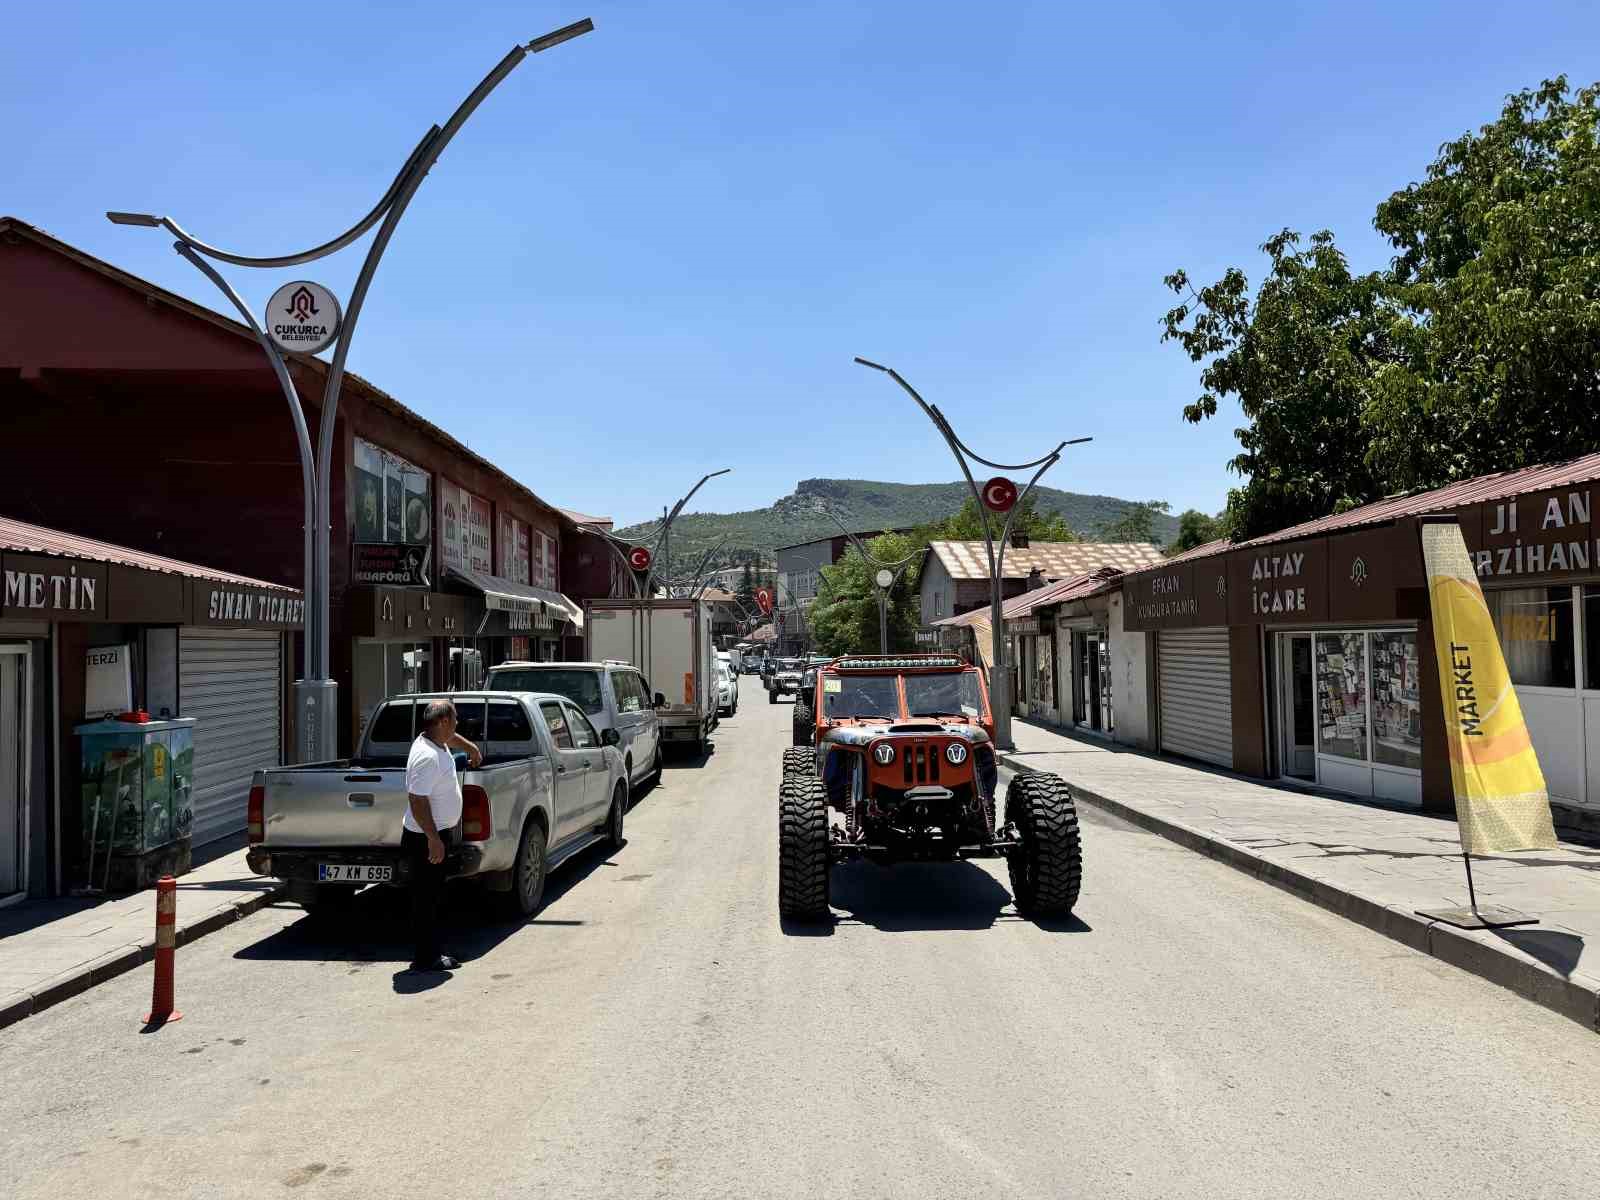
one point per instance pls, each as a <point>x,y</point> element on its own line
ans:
<point>764,600</point>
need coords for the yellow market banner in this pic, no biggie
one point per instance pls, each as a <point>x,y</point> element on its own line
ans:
<point>1501,802</point>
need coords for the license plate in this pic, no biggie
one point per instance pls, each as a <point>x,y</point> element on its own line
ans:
<point>353,873</point>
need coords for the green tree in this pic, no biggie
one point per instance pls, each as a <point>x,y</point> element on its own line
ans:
<point>1497,279</point>
<point>1476,349</point>
<point>746,591</point>
<point>844,620</point>
<point>1299,359</point>
<point>1195,528</point>
<point>967,524</point>
<point>1136,524</point>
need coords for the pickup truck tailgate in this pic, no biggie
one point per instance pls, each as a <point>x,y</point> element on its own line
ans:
<point>333,807</point>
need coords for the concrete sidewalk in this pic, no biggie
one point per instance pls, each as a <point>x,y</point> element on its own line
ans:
<point>1368,861</point>
<point>53,949</point>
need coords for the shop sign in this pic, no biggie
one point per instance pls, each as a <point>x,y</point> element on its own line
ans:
<point>1023,627</point>
<point>40,584</point>
<point>1280,584</point>
<point>303,317</point>
<point>234,605</point>
<point>1163,598</point>
<point>1541,533</point>
<point>392,564</point>
<point>512,551</point>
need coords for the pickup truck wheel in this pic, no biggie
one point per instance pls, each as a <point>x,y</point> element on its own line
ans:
<point>803,848</point>
<point>1047,869</point>
<point>528,875</point>
<point>619,809</point>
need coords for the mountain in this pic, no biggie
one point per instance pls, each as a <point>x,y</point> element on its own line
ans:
<point>862,504</point>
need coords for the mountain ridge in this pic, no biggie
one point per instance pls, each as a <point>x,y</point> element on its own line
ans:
<point>863,505</point>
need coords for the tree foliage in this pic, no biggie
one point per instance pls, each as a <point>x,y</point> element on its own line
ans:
<point>1137,524</point>
<point>1195,528</point>
<point>967,524</point>
<point>844,620</point>
<point>1476,349</point>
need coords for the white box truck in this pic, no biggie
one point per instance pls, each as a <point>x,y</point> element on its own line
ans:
<point>670,642</point>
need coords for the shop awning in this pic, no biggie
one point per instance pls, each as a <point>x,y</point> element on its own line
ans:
<point>507,595</point>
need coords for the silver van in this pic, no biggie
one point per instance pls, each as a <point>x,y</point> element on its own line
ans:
<point>612,694</point>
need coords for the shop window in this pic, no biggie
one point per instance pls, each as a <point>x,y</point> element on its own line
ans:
<point>1396,701</point>
<point>1591,636</point>
<point>1535,626</point>
<point>1342,695</point>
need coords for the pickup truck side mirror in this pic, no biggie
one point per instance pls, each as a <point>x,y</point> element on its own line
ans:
<point>661,700</point>
<point>610,737</point>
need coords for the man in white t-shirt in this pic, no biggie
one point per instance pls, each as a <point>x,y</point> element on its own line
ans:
<point>432,824</point>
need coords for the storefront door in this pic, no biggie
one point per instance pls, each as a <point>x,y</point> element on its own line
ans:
<point>1297,706</point>
<point>1089,682</point>
<point>13,739</point>
<point>1369,712</point>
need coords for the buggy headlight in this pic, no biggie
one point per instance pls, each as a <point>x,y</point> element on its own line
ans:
<point>956,752</point>
<point>884,753</point>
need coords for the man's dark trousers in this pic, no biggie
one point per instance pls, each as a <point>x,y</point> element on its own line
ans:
<point>427,886</point>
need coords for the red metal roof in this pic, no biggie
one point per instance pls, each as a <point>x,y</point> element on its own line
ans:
<point>1079,587</point>
<point>1498,486</point>
<point>23,538</point>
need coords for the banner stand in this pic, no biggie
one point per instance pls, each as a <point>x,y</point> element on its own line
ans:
<point>1502,804</point>
<point>1490,916</point>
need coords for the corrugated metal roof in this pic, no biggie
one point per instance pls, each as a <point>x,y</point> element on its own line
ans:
<point>24,538</point>
<point>578,518</point>
<point>1057,560</point>
<point>1079,587</point>
<point>1497,486</point>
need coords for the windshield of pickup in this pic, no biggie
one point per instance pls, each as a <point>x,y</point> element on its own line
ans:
<point>954,695</point>
<point>577,684</point>
<point>860,696</point>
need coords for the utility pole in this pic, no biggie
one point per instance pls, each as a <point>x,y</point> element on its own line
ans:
<point>316,705</point>
<point>997,496</point>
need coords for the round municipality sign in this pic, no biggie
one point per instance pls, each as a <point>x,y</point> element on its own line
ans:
<point>639,558</point>
<point>303,316</point>
<point>999,494</point>
<point>885,578</point>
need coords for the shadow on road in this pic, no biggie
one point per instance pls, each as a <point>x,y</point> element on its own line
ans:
<point>680,757</point>
<point>377,925</point>
<point>913,897</point>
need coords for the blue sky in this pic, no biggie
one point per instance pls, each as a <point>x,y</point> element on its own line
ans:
<point>654,251</point>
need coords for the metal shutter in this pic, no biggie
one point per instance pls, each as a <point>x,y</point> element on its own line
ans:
<point>1196,695</point>
<point>228,679</point>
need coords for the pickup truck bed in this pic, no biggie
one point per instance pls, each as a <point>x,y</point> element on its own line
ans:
<point>331,828</point>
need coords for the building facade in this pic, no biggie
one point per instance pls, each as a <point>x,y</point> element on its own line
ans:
<point>1307,654</point>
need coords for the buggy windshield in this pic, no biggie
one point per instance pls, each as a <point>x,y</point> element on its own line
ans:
<point>954,695</point>
<point>861,696</point>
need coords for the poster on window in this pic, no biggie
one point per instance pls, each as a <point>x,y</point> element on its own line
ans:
<point>394,500</point>
<point>466,530</point>
<point>522,560</point>
<point>511,552</point>
<point>550,572</point>
<point>479,556</point>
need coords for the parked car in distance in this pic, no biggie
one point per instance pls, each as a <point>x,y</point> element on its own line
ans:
<point>727,690</point>
<point>785,679</point>
<point>550,785</point>
<point>613,695</point>
<point>805,699</point>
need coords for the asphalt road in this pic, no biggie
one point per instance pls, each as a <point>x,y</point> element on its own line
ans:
<point>654,1032</point>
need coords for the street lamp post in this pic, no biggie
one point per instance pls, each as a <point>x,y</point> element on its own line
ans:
<point>664,534</point>
<point>315,695</point>
<point>885,578</point>
<point>999,677</point>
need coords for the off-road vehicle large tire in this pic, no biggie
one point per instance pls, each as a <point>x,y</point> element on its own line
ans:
<point>799,760</point>
<point>1047,870</point>
<point>803,848</point>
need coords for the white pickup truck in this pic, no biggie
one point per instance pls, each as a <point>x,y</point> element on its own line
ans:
<point>549,787</point>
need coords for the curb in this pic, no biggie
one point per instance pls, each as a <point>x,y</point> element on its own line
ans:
<point>25,1002</point>
<point>1576,1001</point>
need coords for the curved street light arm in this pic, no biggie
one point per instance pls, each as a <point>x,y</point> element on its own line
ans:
<point>290,394</point>
<point>615,546</point>
<point>860,546</point>
<point>327,248</point>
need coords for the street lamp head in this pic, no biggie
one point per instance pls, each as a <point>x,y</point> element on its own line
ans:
<point>867,362</point>
<point>566,34</point>
<point>127,218</point>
